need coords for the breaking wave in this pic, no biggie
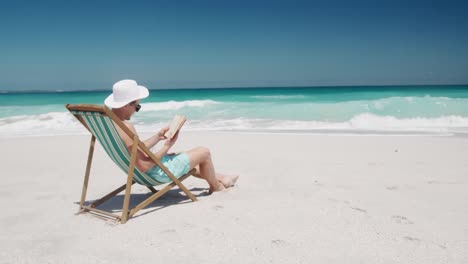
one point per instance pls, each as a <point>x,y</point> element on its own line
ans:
<point>63,123</point>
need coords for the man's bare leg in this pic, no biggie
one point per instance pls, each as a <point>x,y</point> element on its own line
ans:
<point>226,179</point>
<point>201,157</point>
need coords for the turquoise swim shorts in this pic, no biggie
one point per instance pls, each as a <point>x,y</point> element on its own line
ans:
<point>177,164</point>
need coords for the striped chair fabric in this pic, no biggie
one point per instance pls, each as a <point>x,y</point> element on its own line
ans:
<point>103,128</point>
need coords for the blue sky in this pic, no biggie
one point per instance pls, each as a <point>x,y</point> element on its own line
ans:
<point>50,45</point>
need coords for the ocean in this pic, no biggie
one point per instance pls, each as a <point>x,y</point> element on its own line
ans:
<point>349,109</point>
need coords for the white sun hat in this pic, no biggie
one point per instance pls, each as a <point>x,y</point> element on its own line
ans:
<point>124,92</point>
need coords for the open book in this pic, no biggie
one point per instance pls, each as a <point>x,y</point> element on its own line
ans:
<point>176,123</point>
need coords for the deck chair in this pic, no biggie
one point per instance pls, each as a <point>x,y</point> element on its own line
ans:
<point>101,122</point>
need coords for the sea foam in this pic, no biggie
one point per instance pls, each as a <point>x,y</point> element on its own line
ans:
<point>369,121</point>
<point>63,123</point>
<point>54,123</point>
<point>359,123</point>
<point>175,105</point>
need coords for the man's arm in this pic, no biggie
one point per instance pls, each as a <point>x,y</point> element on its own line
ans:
<point>144,162</point>
<point>152,141</point>
<point>142,159</point>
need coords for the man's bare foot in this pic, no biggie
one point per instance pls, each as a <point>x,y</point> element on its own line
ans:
<point>218,188</point>
<point>228,180</point>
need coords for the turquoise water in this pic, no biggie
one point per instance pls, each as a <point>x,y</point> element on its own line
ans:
<point>350,109</point>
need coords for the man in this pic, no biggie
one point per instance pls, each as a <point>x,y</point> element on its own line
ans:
<point>124,102</point>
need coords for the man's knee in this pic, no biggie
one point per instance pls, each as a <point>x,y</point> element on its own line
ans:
<point>205,152</point>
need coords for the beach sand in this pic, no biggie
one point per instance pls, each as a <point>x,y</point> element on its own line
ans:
<point>301,198</point>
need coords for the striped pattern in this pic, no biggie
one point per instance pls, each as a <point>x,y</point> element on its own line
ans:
<point>104,130</point>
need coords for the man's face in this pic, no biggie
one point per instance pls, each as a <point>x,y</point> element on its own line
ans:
<point>132,108</point>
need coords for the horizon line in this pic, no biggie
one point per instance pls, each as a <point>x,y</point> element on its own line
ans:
<point>229,87</point>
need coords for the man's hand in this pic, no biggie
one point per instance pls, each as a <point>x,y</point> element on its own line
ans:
<point>161,133</point>
<point>172,141</point>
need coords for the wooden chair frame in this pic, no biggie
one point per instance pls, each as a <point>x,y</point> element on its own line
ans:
<point>127,212</point>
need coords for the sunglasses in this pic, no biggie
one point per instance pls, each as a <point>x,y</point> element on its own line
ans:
<point>137,106</point>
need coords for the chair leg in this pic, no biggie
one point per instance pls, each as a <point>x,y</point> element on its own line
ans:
<point>88,170</point>
<point>155,196</point>
<point>108,196</point>
<point>153,190</point>
<point>129,180</point>
<point>182,187</point>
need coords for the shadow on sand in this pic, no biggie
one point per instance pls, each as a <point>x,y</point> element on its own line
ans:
<point>173,197</point>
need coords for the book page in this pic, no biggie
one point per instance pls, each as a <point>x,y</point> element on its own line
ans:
<point>176,123</point>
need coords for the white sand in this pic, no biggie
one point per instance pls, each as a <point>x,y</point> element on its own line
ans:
<point>300,199</point>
